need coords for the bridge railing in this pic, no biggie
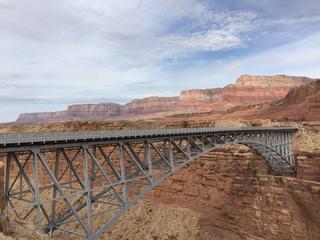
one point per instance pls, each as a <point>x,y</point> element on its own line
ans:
<point>17,138</point>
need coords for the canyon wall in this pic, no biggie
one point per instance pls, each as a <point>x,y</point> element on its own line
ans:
<point>308,165</point>
<point>229,194</point>
<point>43,117</point>
<point>200,96</point>
<point>103,110</point>
<point>246,91</point>
<point>149,105</point>
<point>237,198</point>
<point>258,89</point>
<point>302,103</point>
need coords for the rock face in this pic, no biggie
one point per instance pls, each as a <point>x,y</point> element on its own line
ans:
<point>149,105</point>
<point>271,81</point>
<point>200,96</point>
<point>248,90</point>
<point>228,194</point>
<point>308,165</point>
<point>258,89</point>
<point>101,110</point>
<point>302,103</point>
<point>43,117</point>
<point>149,221</point>
<point>239,200</point>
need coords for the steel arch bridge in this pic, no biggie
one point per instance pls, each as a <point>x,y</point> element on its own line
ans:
<point>77,184</point>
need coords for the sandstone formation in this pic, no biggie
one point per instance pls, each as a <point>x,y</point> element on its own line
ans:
<point>247,90</point>
<point>43,117</point>
<point>227,194</point>
<point>308,165</point>
<point>237,198</point>
<point>101,110</point>
<point>149,105</point>
<point>149,221</point>
<point>271,81</point>
<point>257,89</point>
<point>301,104</point>
<point>200,96</point>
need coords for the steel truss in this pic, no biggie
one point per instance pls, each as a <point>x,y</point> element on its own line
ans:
<point>81,189</point>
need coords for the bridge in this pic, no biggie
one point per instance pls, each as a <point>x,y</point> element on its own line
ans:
<point>77,184</point>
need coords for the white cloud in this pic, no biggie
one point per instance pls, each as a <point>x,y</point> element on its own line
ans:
<point>89,44</point>
<point>128,32</point>
<point>293,21</point>
<point>298,59</point>
<point>73,49</point>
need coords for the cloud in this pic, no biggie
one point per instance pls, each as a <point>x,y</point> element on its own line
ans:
<point>225,34</point>
<point>79,50</point>
<point>298,58</point>
<point>293,21</point>
<point>134,32</point>
<point>75,45</point>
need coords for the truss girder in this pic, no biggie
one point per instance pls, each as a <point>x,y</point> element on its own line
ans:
<point>91,184</point>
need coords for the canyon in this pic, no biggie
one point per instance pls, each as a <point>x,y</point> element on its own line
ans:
<point>225,194</point>
<point>247,90</point>
<point>229,193</point>
<point>160,120</point>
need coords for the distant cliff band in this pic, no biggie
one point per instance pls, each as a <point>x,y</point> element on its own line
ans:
<point>247,90</point>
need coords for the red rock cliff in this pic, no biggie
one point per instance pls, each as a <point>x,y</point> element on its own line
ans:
<point>301,103</point>
<point>101,110</point>
<point>247,90</point>
<point>258,89</point>
<point>42,117</point>
<point>200,96</point>
<point>239,200</point>
<point>149,105</point>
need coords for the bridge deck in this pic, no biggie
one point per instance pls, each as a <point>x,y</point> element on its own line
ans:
<point>15,139</point>
<point>100,174</point>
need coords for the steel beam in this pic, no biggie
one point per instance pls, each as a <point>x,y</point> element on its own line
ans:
<point>115,170</point>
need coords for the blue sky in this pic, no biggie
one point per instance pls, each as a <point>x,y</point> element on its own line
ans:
<point>59,52</point>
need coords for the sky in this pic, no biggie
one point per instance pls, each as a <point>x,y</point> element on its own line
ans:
<point>59,52</point>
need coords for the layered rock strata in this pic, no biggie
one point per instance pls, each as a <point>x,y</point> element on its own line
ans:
<point>200,96</point>
<point>246,91</point>
<point>149,105</point>
<point>257,89</point>
<point>237,198</point>
<point>301,104</point>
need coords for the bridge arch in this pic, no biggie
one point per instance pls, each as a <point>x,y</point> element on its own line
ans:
<point>81,175</point>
